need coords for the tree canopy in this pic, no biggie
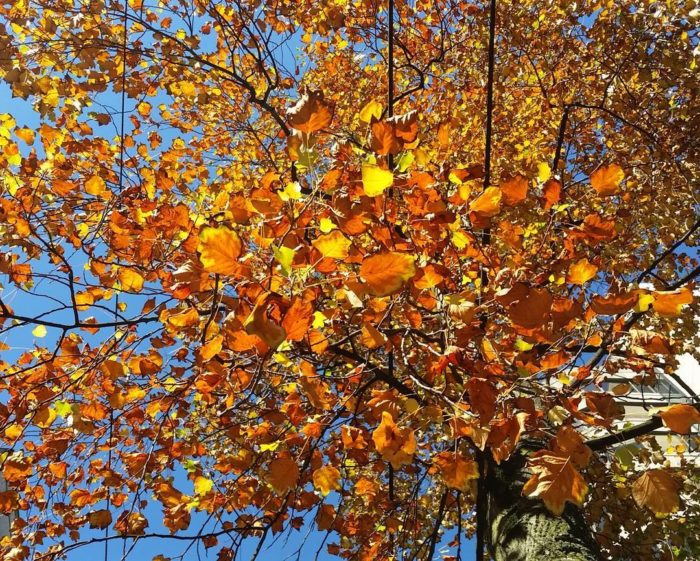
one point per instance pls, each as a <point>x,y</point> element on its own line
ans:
<point>313,265</point>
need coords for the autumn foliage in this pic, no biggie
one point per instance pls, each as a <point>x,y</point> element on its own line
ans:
<point>272,296</point>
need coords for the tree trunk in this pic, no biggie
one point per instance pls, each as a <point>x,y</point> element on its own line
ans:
<point>522,529</point>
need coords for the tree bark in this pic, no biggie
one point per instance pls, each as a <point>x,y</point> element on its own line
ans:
<point>522,529</point>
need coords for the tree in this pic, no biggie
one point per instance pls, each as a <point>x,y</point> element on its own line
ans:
<point>359,268</point>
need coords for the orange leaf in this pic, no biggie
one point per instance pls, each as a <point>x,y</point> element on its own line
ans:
<point>211,349</point>
<point>515,190</point>
<point>488,204</point>
<point>456,470</point>
<point>405,126</point>
<point>552,193</point>
<point>670,303</point>
<point>386,273</point>
<point>656,490</point>
<point>311,113</point>
<point>581,272</point>
<point>396,446</point>
<point>297,320</point>
<point>607,179</point>
<point>283,474</point>
<point>555,480</point>
<point>614,304</point>
<point>16,470</point>
<point>219,249</point>
<point>680,417</point>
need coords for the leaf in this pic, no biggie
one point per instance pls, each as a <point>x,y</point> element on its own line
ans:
<point>202,485</point>
<point>670,303</point>
<point>606,180</point>
<point>39,331</point>
<point>555,480</point>
<point>395,445</point>
<point>283,474</point>
<point>514,190</point>
<point>614,303</point>
<point>581,272</point>
<point>551,193</point>
<point>327,479</point>
<point>261,324</point>
<point>130,280</point>
<point>680,417</point>
<point>457,471</point>
<point>488,204</point>
<point>100,519</point>
<point>375,179</point>
<point>544,172</point>
<point>658,491</point>
<point>219,249</point>
<point>386,273</point>
<point>311,113</point>
<point>334,245</point>
<point>211,349</point>
<point>371,110</point>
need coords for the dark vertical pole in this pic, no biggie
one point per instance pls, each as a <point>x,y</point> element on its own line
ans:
<point>481,499</point>
<point>390,100</point>
<point>489,94</point>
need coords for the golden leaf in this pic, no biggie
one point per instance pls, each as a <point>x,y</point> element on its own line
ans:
<point>396,446</point>
<point>581,272</point>
<point>334,245</point>
<point>327,479</point>
<point>219,249</point>
<point>386,273</point>
<point>606,180</point>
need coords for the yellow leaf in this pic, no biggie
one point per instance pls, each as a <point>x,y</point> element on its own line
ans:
<point>83,300</point>
<point>487,204</point>
<point>606,180</point>
<point>386,273</point>
<point>543,172</point>
<point>95,186</point>
<point>219,249</point>
<point>327,479</point>
<point>581,272</point>
<point>326,225</point>
<point>373,109</point>
<point>39,331</point>
<point>334,245</point>
<point>202,485</point>
<point>375,179</point>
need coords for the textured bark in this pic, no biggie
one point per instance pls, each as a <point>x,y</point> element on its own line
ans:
<point>521,529</point>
